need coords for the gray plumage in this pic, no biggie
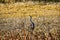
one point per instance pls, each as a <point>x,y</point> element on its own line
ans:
<point>32,23</point>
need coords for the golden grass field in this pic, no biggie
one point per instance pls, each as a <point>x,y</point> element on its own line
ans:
<point>26,9</point>
<point>15,21</point>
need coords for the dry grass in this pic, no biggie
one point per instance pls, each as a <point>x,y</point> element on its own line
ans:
<point>15,21</point>
<point>26,9</point>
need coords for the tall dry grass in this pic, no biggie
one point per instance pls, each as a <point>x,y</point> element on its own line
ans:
<point>15,21</point>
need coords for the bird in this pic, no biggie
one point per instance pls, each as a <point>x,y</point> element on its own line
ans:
<point>32,25</point>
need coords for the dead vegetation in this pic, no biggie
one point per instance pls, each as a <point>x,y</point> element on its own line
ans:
<point>15,21</point>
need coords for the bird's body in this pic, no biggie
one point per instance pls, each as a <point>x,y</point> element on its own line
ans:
<point>32,26</point>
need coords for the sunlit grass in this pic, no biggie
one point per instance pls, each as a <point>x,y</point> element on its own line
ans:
<point>23,9</point>
<point>15,21</point>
